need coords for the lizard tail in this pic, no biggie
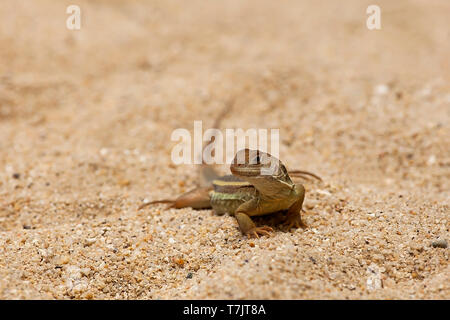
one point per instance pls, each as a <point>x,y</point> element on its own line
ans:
<point>171,202</point>
<point>207,172</point>
<point>302,174</point>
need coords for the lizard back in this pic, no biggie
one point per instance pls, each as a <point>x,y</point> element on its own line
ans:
<point>229,193</point>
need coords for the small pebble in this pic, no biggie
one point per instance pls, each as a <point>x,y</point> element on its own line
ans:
<point>63,260</point>
<point>441,243</point>
<point>431,160</point>
<point>381,89</point>
<point>89,241</point>
<point>16,175</point>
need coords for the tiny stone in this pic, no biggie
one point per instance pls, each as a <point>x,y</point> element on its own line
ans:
<point>323,192</point>
<point>63,260</point>
<point>381,89</point>
<point>124,182</point>
<point>89,241</point>
<point>431,160</point>
<point>417,247</point>
<point>441,243</point>
<point>16,175</point>
<point>374,280</point>
<point>189,275</point>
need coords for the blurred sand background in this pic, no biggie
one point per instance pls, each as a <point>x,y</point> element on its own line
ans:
<point>86,118</point>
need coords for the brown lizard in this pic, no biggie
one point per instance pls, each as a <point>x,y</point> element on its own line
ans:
<point>259,185</point>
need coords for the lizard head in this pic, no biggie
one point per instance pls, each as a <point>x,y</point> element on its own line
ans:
<point>264,171</point>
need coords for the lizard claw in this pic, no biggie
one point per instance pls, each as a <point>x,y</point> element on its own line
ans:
<point>256,231</point>
<point>294,221</point>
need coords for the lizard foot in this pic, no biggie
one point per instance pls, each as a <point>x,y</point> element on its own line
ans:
<point>256,231</point>
<point>294,221</point>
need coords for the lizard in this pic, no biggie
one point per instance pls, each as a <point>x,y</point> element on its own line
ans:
<point>259,185</point>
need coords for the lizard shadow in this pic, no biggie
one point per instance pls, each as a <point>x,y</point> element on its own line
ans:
<point>274,220</point>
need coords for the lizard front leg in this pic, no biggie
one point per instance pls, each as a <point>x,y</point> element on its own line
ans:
<point>246,224</point>
<point>293,217</point>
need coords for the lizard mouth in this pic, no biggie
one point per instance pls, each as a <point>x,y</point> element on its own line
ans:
<point>245,171</point>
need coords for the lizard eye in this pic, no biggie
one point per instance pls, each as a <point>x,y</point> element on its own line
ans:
<point>258,158</point>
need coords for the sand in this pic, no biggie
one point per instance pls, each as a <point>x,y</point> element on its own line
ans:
<point>86,118</point>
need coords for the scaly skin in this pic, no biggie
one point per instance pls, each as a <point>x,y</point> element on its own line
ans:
<point>260,185</point>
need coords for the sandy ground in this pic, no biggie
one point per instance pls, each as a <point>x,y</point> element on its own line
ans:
<point>86,118</point>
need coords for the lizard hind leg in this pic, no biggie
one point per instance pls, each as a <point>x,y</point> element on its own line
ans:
<point>196,199</point>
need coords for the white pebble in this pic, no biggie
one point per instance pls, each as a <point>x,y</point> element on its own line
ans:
<point>374,280</point>
<point>323,192</point>
<point>431,160</point>
<point>90,241</point>
<point>381,89</point>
